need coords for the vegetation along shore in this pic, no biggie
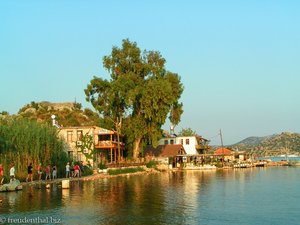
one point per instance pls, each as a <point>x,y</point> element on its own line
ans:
<point>123,133</point>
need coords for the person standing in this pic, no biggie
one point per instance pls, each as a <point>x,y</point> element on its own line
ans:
<point>40,171</point>
<point>1,174</point>
<point>29,172</point>
<point>68,170</point>
<point>12,172</point>
<point>54,172</point>
<point>48,170</point>
<point>72,169</point>
<point>81,167</point>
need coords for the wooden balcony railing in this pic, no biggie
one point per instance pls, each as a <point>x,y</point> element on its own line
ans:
<point>108,144</point>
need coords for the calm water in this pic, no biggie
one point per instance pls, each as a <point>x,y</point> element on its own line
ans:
<point>241,196</point>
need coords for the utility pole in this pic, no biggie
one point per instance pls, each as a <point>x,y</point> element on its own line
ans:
<point>222,147</point>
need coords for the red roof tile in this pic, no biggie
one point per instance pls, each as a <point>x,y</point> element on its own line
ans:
<point>164,151</point>
<point>172,150</point>
<point>222,151</point>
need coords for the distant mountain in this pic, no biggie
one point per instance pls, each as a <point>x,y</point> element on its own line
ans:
<point>286,141</point>
<point>253,141</point>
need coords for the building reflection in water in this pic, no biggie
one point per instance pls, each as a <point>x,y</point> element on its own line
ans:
<point>183,197</point>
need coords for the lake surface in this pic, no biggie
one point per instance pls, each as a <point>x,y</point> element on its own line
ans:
<point>236,196</point>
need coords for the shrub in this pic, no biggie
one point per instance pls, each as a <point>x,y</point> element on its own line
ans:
<point>102,166</point>
<point>151,164</point>
<point>219,165</point>
<point>126,170</point>
<point>87,171</point>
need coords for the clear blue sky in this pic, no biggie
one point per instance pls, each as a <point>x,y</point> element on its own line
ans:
<point>239,60</point>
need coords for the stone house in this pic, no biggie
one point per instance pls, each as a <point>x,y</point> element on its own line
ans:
<point>104,144</point>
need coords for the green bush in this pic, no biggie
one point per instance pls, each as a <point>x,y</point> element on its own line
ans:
<point>219,165</point>
<point>102,166</point>
<point>124,171</point>
<point>87,171</point>
<point>151,164</point>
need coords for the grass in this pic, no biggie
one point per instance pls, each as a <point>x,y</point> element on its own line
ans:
<point>124,171</point>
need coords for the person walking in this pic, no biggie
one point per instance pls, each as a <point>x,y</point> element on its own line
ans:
<point>12,172</point>
<point>40,171</point>
<point>54,172</point>
<point>29,172</point>
<point>48,171</point>
<point>77,170</point>
<point>1,174</point>
<point>68,170</point>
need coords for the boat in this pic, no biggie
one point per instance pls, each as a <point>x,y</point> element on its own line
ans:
<point>204,167</point>
<point>289,156</point>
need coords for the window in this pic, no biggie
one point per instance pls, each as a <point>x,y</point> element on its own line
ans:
<point>79,156</point>
<point>79,135</point>
<point>104,137</point>
<point>166,142</point>
<point>69,136</point>
<point>187,141</point>
<point>172,142</point>
<point>181,141</point>
<point>70,154</point>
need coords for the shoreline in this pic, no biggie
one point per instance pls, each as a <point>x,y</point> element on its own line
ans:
<point>91,177</point>
<point>147,171</point>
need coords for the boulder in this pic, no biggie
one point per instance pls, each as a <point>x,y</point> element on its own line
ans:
<point>14,185</point>
<point>3,188</point>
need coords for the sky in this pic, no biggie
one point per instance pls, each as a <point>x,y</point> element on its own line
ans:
<point>239,61</point>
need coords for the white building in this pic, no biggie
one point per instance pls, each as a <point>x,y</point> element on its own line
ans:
<point>192,145</point>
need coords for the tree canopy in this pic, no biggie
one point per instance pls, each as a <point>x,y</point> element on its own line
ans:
<point>140,91</point>
<point>187,132</point>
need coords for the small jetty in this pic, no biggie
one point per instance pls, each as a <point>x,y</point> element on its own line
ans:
<point>250,164</point>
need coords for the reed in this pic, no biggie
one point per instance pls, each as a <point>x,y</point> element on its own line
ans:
<point>24,141</point>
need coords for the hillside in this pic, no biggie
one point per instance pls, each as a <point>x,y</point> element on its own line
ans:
<point>286,141</point>
<point>67,113</point>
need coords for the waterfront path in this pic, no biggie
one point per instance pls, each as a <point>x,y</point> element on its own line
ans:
<point>91,177</point>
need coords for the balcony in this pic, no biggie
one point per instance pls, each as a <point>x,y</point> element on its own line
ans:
<point>108,144</point>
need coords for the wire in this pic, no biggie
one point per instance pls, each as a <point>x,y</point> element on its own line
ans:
<point>214,136</point>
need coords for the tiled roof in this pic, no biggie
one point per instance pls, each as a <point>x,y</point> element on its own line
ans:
<point>172,150</point>
<point>164,151</point>
<point>222,151</point>
<point>151,151</point>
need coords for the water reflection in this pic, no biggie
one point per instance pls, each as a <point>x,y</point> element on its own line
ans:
<point>189,197</point>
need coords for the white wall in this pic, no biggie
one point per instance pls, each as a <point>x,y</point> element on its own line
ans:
<point>189,143</point>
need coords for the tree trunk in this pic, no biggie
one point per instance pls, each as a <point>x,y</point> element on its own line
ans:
<point>136,148</point>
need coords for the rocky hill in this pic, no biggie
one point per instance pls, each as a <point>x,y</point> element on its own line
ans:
<point>67,113</point>
<point>284,142</point>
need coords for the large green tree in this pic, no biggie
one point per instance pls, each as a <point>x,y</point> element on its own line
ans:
<point>140,92</point>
